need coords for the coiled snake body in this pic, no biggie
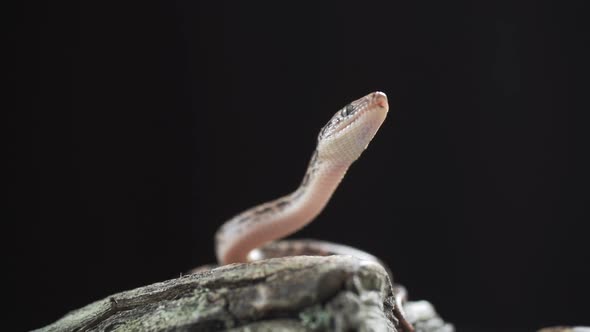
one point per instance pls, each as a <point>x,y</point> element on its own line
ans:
<point>249,235</point>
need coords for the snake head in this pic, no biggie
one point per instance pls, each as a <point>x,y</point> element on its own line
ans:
<point>347,134</point>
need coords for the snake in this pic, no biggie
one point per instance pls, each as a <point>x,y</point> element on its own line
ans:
<point>255,233</point>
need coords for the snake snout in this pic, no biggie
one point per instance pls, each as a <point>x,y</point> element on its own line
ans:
<point>380,99</point>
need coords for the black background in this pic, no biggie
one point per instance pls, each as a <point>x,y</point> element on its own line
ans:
<point>147,125</point>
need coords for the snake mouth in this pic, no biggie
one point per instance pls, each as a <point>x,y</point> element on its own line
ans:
<point>373,102</point>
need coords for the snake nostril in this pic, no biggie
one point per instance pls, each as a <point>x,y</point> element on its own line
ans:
<point>380,99</point>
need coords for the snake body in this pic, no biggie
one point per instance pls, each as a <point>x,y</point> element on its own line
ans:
<point>340,142</point>
<point>249,235</point>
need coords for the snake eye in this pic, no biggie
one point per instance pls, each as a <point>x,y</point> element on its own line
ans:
<point>348,110</point>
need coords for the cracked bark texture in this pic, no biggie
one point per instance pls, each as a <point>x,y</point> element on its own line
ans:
<point>304,293</point>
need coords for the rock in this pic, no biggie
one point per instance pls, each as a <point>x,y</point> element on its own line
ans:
<point>424,318</point>
<point>304,293</point>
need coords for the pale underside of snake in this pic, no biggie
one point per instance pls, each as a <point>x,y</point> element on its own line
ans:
<point>249,235</point>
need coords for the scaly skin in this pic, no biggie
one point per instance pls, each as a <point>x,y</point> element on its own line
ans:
<point>340,142</point>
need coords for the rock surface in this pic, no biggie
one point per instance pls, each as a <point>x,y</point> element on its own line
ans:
<point>305,293</point>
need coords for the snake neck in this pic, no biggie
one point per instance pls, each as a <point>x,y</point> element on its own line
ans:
<point>279,218</point>
<point>316,189</point>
